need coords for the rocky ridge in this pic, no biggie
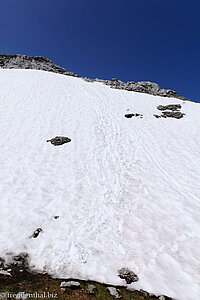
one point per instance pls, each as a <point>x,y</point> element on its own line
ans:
<point>18,61</point>
<point>146,87</point>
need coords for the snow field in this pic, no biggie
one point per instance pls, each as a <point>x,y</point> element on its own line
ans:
<point>126,191</point>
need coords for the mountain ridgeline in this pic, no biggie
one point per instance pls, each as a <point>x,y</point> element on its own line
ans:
<point>18,61</point>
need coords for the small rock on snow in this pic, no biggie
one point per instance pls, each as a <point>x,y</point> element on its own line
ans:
<point>129,276</point>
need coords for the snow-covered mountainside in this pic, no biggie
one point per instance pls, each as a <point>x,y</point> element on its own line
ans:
<point>18,61</point>
<point>123,192</point>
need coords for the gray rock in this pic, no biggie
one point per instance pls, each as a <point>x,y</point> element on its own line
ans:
<point>129,276</point>
<point>161,297</point>
<point>88,79</point>
<point>147,87</point>
<point>18,61</point>
<point>116,84</point>
<point>59,140</point>
<point>91,289</point>
<point>114,292</point>
<point>130,85</point>
<point>173,107</point>
<point>172,114</point>
<point>70,284</point>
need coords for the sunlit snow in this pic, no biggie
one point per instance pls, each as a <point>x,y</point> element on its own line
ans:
<point>127,191</point>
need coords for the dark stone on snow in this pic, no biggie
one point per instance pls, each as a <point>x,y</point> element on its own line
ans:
<point>59,140</point>
<point>172,114</point>
<point>129,115</point>
<point>133,115</point>
<point>129,276</point>
<point>173,107</point>
<point>36,232</point>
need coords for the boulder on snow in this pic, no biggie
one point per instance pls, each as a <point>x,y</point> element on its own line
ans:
<point>133,115</point>
<point>129,115</point>
<point>172,114</point>
<point>173,107</point>
<point>36,232</point>
<point>59,140</point>
<point>173,111</point>
<point>129,276</point>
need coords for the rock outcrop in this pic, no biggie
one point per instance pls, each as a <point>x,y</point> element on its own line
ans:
<point>146,87</point>
<point>173,111</point>
<point>18,61</point>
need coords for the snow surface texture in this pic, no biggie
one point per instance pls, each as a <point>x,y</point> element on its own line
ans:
<point>126,190</point>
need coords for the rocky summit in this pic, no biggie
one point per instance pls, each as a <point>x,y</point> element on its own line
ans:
<point>18,61</point>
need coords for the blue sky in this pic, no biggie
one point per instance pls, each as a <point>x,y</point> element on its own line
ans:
<point>154,40</point>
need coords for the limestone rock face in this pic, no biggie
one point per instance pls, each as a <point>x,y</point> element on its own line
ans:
<point>18,61</point>
<point>146,87</point>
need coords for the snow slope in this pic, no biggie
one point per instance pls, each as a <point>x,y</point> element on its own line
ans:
<point>126,191</point>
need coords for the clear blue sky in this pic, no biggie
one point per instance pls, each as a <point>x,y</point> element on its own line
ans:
<point>154,40</point>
